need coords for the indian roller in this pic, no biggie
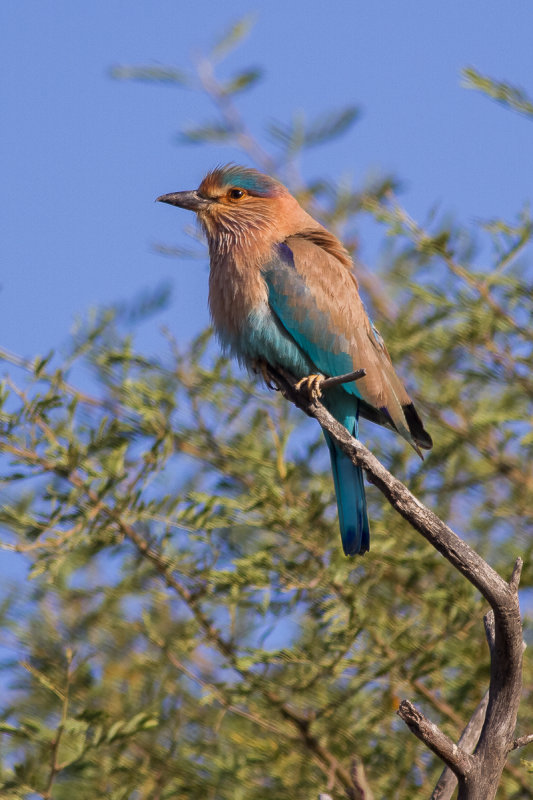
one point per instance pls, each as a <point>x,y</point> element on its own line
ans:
<point>282,293</point>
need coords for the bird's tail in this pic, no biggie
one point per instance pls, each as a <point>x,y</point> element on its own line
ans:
<point>351,501</point>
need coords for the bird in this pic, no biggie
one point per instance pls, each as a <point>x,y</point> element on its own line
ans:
<point>283,293</point>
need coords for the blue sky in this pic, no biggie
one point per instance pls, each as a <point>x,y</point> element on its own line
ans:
<point>84,156</point>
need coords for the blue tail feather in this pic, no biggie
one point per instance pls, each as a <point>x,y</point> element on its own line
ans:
<point>351,501</point>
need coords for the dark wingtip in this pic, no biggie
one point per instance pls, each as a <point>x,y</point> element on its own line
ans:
<point>385,411</point>
<point>416,427</point>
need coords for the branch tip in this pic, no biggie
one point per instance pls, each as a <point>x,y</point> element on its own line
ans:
<point>335,380</point>
<point>522,741</point>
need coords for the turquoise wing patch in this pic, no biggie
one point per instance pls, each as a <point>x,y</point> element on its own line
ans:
<point>294,304</point>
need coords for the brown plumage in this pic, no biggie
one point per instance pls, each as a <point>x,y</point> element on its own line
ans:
<point>282,291</point>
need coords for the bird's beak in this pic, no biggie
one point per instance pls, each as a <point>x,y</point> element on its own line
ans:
<point>191,200</point>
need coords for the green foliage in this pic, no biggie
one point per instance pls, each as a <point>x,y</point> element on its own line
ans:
<point>231,38</point>
<point>297,136</point>
<point>191,628</point>
<point>503,92</point>
<point>149,74</point>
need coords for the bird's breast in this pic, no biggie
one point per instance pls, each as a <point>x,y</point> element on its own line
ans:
<point>236,288</point>
<point>244,320</point>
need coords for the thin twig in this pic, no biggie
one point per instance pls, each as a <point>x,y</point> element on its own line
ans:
<point>522,741</point>
<point>362,790</point>
<point>55,766</point>
<point>490,630</point>
<point>336,380</point>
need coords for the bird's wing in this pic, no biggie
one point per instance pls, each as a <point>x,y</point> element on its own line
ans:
<point>316,299</point>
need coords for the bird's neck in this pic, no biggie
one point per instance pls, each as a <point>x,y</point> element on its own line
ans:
<point>236,286</point>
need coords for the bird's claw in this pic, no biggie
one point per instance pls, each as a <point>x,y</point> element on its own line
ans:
<point>259,366</point>
<point>311,384</point>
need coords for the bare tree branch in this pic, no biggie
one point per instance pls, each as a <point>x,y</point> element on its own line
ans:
<point>437,741</point>
<point>522,741</point>
<point>469,738</point>
<point>478,774</point>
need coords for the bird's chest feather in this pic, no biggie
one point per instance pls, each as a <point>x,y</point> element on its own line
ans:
<point>244,320</point>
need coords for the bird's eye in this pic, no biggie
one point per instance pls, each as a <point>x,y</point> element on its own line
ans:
<point>235,194</point>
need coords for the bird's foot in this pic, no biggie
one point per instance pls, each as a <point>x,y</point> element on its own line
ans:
<point>311,384</point>
<point>261,367</point>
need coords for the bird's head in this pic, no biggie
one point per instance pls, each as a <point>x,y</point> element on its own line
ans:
<point>238,201</point>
